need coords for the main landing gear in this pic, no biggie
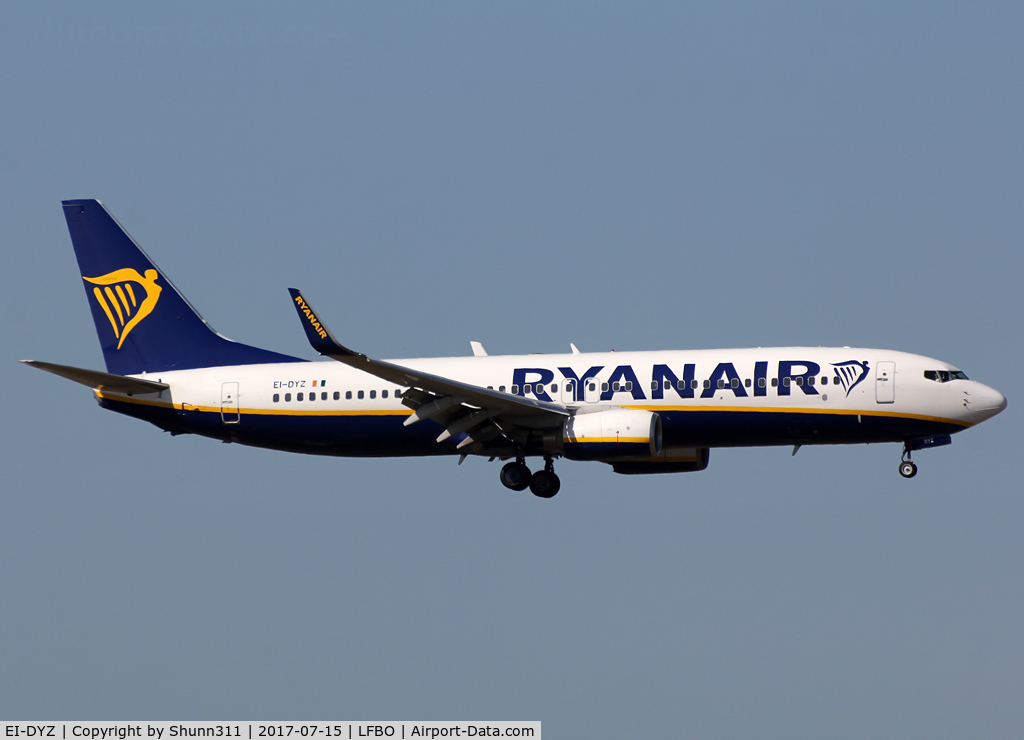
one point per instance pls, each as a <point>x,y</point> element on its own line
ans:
<point>544,483</point>
<point>907,468</point>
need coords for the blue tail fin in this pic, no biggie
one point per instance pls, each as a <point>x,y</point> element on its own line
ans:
<point>144,323</point>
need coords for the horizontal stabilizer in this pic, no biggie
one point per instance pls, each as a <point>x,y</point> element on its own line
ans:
<point>98,380</point>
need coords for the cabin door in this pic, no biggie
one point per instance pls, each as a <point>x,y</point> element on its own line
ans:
<point>229,403</point>
<point>885,382</point>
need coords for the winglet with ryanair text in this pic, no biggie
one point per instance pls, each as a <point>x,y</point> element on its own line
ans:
<point>319,336</point>
<point>321,339</point>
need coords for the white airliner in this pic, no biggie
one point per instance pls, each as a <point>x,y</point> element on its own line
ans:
<point>640,412</point>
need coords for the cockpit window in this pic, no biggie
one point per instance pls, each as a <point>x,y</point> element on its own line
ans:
<point>944,376</point>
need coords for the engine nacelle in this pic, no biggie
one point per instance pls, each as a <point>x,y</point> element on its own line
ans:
<point>614,434</point>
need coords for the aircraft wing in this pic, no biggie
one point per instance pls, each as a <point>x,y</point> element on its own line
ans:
<point>100,381</point>
<point>482,413</point>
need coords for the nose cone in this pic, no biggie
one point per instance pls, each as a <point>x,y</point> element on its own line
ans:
<point>986,402</point>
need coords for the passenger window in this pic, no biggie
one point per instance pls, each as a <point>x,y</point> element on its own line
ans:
<point>383,394</point>
<point>554,387</point>
<point>666,385</point>
<point>593,386</point>
<point>348,395</point>
<point>615,386</point>
<point>810,380</point>
<point>298,396</point>
<point>735,382</point>
<point>568,387</point>
<point>707,384</point>
<point>747,382</point>
<point>604,387</point>
<point>824,380</point>
<point>287,397</point>
<point>721,382</point>
<point>323,396</point>
<point>786,381</point>
<point>515,390</point>
<point>501,388</point>
<point>761,383</point>
<point>528,388</point>
<point>360,395</point>
<point>680,385</point>
<point>693,384</point>
<point>337,396</point>
<point>277,397</point>
<point>799,380</point>
<point>654,385</point>
<point>775,382</point>
<point>373,394</point>
<point>629,385</point>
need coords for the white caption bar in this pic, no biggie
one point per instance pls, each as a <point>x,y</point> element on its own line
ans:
<point>263,730</point>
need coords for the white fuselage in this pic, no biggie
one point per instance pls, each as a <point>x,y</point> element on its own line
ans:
<point>724,397</point>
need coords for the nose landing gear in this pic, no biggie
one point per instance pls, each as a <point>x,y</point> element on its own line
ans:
<point>907,468</point>
<point>544,483</point>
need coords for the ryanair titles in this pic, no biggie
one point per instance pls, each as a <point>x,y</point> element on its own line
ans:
<point>594,385</point>
<point>311,317</point>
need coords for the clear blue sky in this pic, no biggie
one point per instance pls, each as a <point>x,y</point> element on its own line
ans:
<point>526,175</point>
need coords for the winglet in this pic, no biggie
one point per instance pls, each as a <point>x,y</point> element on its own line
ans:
<point>319,336</point>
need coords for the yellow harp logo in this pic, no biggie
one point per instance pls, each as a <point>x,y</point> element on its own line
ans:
<point>118,299</point>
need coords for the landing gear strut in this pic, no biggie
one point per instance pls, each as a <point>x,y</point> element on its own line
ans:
<point>545,483</point>
<point>516,475</point>
<point>907,468</point>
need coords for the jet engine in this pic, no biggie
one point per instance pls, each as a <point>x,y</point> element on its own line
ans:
<point>613,434</point>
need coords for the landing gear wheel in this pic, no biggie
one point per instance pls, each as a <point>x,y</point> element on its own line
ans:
<point>515,475</point>
<point>544,484</point>
<point>908,469</point>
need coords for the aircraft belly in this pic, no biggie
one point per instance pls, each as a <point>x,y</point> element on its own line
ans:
<point>342,434</point>
<point>755,429</point>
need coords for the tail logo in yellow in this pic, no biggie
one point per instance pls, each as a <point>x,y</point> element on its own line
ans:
<point>119,301</point>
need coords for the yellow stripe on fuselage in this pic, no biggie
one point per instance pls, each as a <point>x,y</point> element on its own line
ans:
<point>262,412</point>
<point>408,412</point>
<point>804,410</point>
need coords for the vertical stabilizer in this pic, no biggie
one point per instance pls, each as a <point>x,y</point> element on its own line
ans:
<point>144,324</point>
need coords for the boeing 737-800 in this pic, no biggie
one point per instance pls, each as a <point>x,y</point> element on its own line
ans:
<point>640,412</point>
